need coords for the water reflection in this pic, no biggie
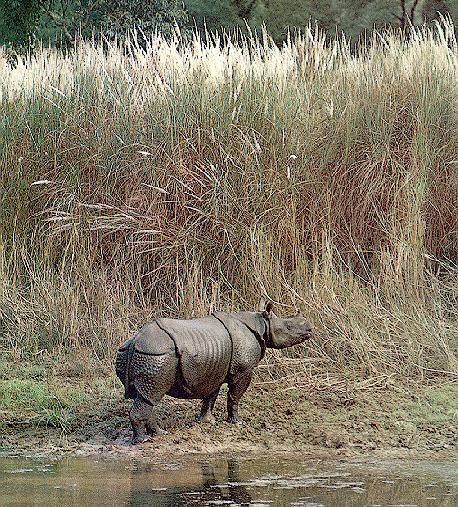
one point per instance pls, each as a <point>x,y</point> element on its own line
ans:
<point>250,480</point>
<point>215,487</point>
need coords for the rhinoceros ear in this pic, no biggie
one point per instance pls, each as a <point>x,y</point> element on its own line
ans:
<point>267,313</point>
<point>262,305</point>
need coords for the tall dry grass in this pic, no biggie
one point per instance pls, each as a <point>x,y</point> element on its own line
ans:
<point>179,179</point>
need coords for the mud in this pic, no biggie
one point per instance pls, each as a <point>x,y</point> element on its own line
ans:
<point>320,424</point>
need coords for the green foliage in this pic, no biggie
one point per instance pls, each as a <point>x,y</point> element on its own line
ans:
<point>433,9</point>
<point>18,20</point>
<point>353,17</point>
<point>120,16</point>
<point>62,20</point>
<point>214,15</point>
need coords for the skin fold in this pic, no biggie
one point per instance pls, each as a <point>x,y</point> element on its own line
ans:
<point>193,358</point>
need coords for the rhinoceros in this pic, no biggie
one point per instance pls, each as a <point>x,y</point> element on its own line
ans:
<point>192,358</point>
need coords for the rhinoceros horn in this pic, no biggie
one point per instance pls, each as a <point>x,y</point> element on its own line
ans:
<point>285,332</point>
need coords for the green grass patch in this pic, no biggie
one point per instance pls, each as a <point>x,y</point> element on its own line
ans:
<point>434,406</point>
<point>22,371</point>
<point>34,402</point>
<point>51,395</point>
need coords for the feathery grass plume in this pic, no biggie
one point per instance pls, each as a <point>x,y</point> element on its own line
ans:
<point>175,179</point>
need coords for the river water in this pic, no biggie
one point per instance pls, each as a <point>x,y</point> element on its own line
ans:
<point>260,480</point>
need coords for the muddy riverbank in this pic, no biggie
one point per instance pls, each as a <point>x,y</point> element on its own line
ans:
<point>59,410</point>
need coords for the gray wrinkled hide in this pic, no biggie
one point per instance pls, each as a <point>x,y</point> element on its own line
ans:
<point>246,330</point>
<point>193,358</point>
<point>204,348</point>
<point>206,351</point>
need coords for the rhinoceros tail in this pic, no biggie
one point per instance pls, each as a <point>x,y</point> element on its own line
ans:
<point>122,367</point>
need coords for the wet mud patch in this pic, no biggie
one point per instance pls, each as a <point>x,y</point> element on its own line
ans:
<point>61,411</point>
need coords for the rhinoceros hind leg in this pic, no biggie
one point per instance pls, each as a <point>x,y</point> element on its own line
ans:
<point>237,389</point>
<point>141,415</point>
<point>153,428</point>
<point>207,407</point>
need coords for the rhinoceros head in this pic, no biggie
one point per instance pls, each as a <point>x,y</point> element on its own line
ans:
<point>285,332</point>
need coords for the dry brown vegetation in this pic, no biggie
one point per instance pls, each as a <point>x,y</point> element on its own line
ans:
<point>175,180</point>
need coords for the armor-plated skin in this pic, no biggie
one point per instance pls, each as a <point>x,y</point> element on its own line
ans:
<point>192,358</point>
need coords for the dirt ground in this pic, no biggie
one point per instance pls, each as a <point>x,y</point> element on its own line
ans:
<point>59,411</point>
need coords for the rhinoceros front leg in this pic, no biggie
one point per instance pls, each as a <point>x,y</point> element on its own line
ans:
<point>207,407</point>
<point>236,390</point>
<point>143,420</point>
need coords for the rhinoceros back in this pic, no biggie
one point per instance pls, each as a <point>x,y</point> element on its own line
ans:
<point>152,340</point>
<point>204,348</point>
